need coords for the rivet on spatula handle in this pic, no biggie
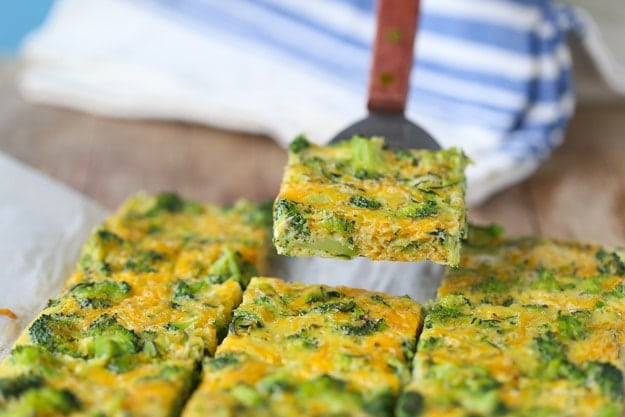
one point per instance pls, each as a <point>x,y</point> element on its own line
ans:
<point>392,55</point>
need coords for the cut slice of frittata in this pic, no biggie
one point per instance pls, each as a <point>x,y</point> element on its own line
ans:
<point>357,198</point>
<point>152,295</point>
<point>525,327</point>
<point>310,350</point>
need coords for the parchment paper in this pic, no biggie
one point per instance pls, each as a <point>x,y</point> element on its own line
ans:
<point>43,224</point>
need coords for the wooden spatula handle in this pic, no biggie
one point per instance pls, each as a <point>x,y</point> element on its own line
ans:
<point>392,55</point>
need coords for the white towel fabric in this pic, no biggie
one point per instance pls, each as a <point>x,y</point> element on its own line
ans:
<point>491,76</point>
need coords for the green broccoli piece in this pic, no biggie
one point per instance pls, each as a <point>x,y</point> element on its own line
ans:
<point>334,393</point>
<point>547,281</point>
<point>254,214</point>
<point>223,361</point>
<point>617,292</point>
<point>470,386</point>
<point>608,377</point>
<point>14,387</point>
<point>185,291</point>
<point>573,326</point>
<point>144,261</point>
<point>485,235</point>
<point>339,225</point>
<point>410,404</point>
<point>366,157</point>
<point>55,332</point>
<point>491,285</point>
<point>291,212</point>
<point>244,321</point>
<point>610,263</point>
<point>247,395</point>
<point>101,294</point>
<point>36,359</point>
<point>100,244</point>
<point>44,401</point>
<point>552,356</point>
<point>299,143</point>
<point>231,266</point>
<point>112,341</point>
<point>169,202</point>
<point>445,309</point>
<point>380,403</point>
<point>365,326</point>
<point>364,202</point>
<point>417,210</point>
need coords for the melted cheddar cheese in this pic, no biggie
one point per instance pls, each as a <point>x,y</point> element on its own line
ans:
<point>356,198</point>
<point>526,327</point>
<point>296,349</point>
<point>152,295</point>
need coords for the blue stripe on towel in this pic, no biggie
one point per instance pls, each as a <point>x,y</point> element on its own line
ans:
<point>343,55</point>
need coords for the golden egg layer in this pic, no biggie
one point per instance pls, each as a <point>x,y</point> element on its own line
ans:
<point>357,198</point>
<point>526,327</point>
<point>296,349</point>
<point>151,296</point>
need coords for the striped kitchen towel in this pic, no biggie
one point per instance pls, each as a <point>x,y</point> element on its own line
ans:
<point>491,76</point>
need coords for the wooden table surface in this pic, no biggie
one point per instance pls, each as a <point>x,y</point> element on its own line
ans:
<point>579,193</point>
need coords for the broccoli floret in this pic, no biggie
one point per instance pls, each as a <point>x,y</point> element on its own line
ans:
<point>334,393</point>
<point>573,326</point>
<point>617,292</point>
<point>610,263</point>
<point>410,404</point>
<point>380,404</point>
<point>339,225</point>
<point>220,362</point>
<point>290,212</point>
<point>100,244</point>
<point>168,201</point>
<point>491,285</point>
<point>418,210</point>
<point>112,341</point>
<point>230,266</point>
<point>185,291</point>
<point>342,306</point>
<point>56,333</point>
<point>548,347</point>
<point>547,281</point>
<point>16,386</point>
<point>445,309</point>
<point>364,202</point>
<point>485,235</point>
<point>247,396</point>
<point>429,343</point>
<point>367,160</point>
<point>144,261</point>
<point>298,144</point>
<point>552,356</point>
<point>608,377</point>
<point>45,401</point>
<point>34,358</point>
<point>470,386</point>
<point>365,326</point>
<point>244,321</point>
<point>312,387</point>
<point>101,294</point>
<point>150,347</point>
<point>380,300</point>
<point>254,214</point>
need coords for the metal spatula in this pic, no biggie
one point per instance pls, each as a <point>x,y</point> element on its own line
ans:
<point>389,80</point>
